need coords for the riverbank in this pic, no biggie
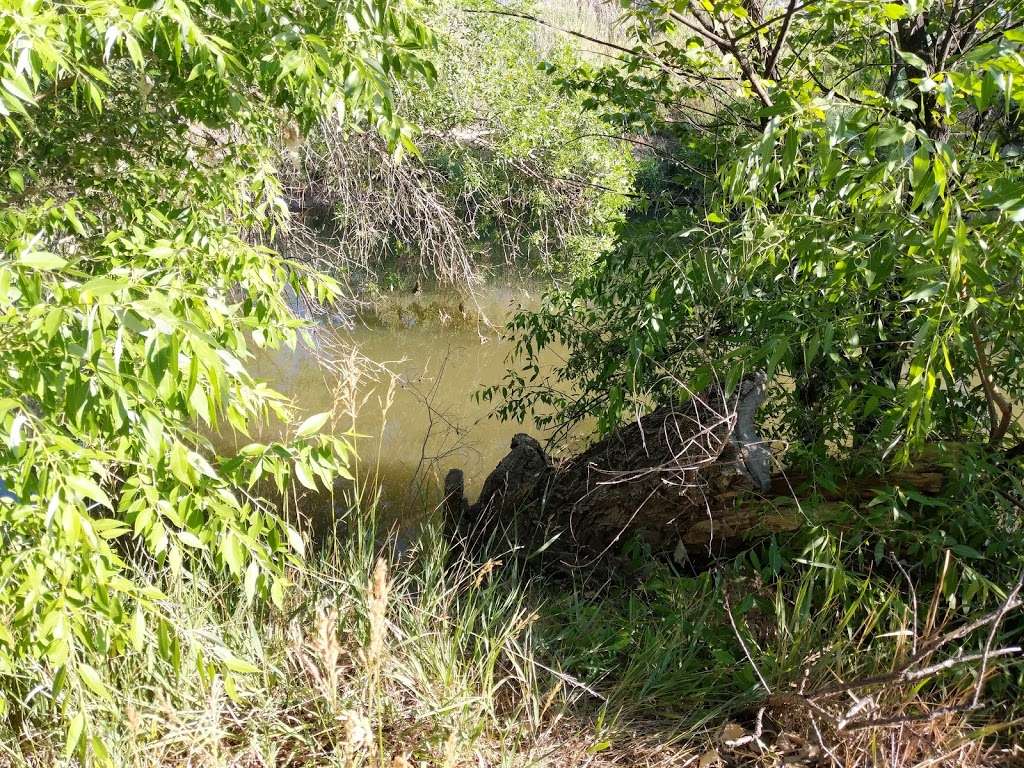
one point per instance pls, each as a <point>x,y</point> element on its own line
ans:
<point>428,658</point>
<point>373,660</point>
<point>442,660</point>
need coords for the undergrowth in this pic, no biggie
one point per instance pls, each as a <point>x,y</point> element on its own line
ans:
<point>427,657</point>
<point>509,172</point>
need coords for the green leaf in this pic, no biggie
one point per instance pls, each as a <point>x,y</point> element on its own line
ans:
<point>89,488</point>
<point>252,574</point>
<point>914,60</point>
<point>302,474</point>
<point>312,425</point>
<point>101,286</point>
<point>41,260</point>
<point>236,664</point>
<point>99,751</point>
<point>18,87</point>
<point>962,550</point>
<point>134,51</point>
<point>92,680</point>
<point>231,552</point>
<point>75,730</point>
<point>295,541</point>
<point>923,294</point>
<point>189,539</point>
<point>895,11</point>
<point>277,593</point>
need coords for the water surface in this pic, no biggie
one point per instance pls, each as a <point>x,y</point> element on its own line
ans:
<point>428,354</point>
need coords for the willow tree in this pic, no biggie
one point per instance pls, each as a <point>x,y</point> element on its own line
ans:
<point>138,181</point>
<point>840,206</point>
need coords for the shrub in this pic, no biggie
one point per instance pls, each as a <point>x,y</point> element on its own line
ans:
<point>509,170</point>
<point>135,157</point>
<point>859,242</point>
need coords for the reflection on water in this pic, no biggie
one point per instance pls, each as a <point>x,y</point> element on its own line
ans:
<point>442,349</point>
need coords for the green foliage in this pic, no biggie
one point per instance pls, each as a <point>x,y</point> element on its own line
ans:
<point>542,179</point>
<point>831,603</point>
<point>136,175</point>
<point>322,691</point>
<point>510,170</point>
<point>860,241</point>
<point>835,201</point>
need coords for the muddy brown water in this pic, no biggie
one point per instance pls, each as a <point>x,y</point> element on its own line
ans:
<point>427,355</point>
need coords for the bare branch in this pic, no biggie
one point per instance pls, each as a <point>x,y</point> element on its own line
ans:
<point>773,57</point>
<point>1010,599</point>
<point>947,41</point>
<point>701,30</point>
<point>781,17</point>
<point>726,44</point>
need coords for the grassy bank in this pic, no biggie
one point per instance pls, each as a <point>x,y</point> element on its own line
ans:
<point>431,658</point>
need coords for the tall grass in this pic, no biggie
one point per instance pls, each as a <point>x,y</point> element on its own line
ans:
<point>429,657</point>
<point>371,662</point>
<point>593,18</point>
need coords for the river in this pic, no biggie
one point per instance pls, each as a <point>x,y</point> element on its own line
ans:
<point>425,357</point>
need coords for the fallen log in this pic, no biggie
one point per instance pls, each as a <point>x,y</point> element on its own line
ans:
<point>691,480</point>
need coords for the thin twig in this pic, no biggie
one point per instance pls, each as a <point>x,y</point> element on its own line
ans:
<point>940,62</point>
<point>773,57</point>
<point>743,644</point>
<point>763,25</point>
<point>992,636</point>
<point>881,722</point>
<point>755,736</point>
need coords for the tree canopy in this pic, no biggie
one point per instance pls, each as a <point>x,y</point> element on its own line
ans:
<point>842,209</point>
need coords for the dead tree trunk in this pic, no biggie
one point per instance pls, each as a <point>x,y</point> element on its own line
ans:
<point>687,480</point>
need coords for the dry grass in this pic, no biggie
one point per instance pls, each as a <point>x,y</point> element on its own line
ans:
<point>593,18</point>
<point>432,660</point>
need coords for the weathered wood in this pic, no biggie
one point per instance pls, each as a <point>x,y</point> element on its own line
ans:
<point>687,481</point>
<point>654,478</point>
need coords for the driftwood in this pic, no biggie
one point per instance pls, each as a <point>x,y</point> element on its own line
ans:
<point>688,481</point>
